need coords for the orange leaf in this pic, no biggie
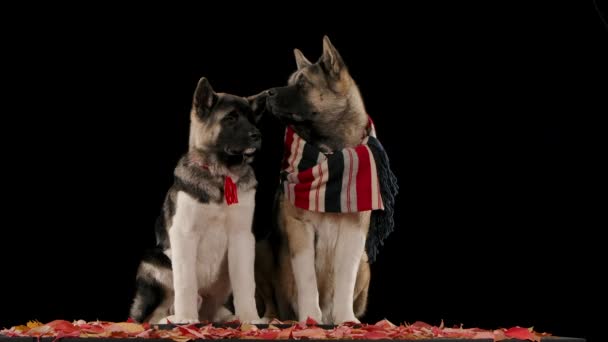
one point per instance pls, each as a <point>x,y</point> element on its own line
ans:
<point>129,328</point>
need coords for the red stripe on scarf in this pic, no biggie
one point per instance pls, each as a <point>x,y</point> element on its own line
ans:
<point>302,189</point>
<point>318,187</point>
<point>295,155</point>
<point>360,178</point>
<point>364,180</point>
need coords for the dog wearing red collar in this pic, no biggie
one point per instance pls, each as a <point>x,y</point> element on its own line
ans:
<point>205,245</point>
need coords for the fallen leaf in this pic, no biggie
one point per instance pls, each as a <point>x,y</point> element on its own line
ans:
<point>375,335</point>
<point>311,321</point>
<point>129,328</point>
<point>33,324</point>
<point>248,327</point>
<point>520,333</point>
<point>62,326</point>
<point>311,333</point>
<point>21,328</point>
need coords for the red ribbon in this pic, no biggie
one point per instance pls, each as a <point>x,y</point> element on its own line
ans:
<point>230,191</point>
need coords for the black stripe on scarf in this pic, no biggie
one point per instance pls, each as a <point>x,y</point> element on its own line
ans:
<point>309,157</point>
<point>333,190</point>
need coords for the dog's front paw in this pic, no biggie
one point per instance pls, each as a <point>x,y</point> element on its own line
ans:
<point>177,320</point>
<point>223,315</point>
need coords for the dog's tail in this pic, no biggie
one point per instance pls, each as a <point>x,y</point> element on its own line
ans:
<point>150,292</point>
<point>148,296</point>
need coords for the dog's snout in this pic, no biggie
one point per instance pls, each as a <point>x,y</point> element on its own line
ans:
<point>255,135</point>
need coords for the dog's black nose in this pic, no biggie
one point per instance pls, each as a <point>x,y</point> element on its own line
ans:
<point>256,135</point>
<point>271,92</point>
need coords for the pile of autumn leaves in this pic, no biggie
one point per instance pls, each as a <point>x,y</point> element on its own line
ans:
<point>277,330</point>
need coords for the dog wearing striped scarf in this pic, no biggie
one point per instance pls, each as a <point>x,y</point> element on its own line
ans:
<point>335,174</point>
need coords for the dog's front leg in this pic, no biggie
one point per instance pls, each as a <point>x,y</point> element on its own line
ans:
<point>241,258</point>
<point>301,240</point>
<point>349,248</point>
<point>184,244</point>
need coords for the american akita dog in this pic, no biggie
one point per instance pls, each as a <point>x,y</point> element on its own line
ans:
<point>205,245</point>
<point>334,174</point>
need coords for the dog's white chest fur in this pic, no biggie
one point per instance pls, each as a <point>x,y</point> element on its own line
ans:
<point>207,224</point>
<point>210,224</point>
<point>211,248</point>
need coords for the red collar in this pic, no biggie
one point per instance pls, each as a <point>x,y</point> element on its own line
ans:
<point>230,189</point>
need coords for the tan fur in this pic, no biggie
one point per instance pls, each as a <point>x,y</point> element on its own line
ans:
<point>204,133</point>
<point>324,106</point>
<point>201,134</point>
<point>291,219</point>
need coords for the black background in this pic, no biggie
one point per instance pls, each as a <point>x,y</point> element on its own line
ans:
<point>485,109</point>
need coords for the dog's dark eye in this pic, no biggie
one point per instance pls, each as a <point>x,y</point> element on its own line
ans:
<point>231,117</point>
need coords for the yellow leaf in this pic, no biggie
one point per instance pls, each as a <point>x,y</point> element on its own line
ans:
<point>126,327</point>
<point>247,327</point>
<point>33,324</point>
<point>21,328</point>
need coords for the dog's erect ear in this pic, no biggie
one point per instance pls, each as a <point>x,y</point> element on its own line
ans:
<point>204,97</point>
<point>301,61</point>
<point>331,59</point>
<point>258,105</point>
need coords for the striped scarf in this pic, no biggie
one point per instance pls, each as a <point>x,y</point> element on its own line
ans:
<point>351,180</point>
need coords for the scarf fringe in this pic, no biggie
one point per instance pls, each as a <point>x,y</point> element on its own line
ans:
<point>382,221</point>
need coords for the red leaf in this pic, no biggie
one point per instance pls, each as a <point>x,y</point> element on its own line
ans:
<point>286,333</point>
<point>420,325</point>
<point>384,324</point>
<point>375,335</point>
<point>339,332</point>
<point>145,334</point>
<point>310,333</point>
<point>269,335</point>
<point>311,321</point>
<point>520,333</point>
<point>61,335</point>
<point>224,332</point>
<point>192,331</point>
<point>62,326</point>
